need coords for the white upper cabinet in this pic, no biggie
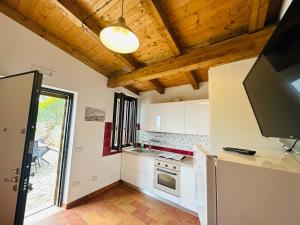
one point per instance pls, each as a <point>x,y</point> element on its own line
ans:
<point>188,117</point>
<point>174,117</point>
<point>197,117</point>
<point>153,118</point>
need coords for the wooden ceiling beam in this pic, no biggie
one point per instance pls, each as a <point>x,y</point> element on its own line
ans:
<point>95,27</point>
<point>258,14</point>
<point>194,80</point>
<point>34,27</point>
<point>154,84</point>
<point>132,89</point>
<point>239,48</point>
<point>160,21</point>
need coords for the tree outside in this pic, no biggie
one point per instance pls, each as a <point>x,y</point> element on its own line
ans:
<point>50,120</point>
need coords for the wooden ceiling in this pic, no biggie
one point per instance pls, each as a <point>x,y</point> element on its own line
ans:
<point>179,39</point>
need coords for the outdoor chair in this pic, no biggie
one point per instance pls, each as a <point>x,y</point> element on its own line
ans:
<point>36,155</point>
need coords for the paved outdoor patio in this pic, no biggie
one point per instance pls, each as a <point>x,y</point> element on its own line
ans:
<point>43,183</point>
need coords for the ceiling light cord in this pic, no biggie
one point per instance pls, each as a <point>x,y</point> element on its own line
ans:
<point>97,10</point>
<point>122,12</point>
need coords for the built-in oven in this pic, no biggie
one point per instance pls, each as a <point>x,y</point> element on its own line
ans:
<point>167,177</point>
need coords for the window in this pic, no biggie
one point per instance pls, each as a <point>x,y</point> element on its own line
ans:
<point>124,121</point>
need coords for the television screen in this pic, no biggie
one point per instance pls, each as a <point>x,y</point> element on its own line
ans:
<point>273,84</point>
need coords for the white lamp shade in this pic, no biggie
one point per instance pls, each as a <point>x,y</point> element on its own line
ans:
<point>119,38</point>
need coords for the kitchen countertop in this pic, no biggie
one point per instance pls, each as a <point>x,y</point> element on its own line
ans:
<point>271,159</point>
<point>186,161</point>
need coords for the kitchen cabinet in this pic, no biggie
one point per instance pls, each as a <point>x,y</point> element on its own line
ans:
<point>138,170</point>
<point>187,117</point>
<point>187,188</point>
<point>153,118</point>
<point>174,117</point>
<point>196,117</point>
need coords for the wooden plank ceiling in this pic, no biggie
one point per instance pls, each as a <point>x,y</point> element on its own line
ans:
<point>179,40</point>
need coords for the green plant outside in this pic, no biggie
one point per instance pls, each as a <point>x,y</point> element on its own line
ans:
<point>50,110</point>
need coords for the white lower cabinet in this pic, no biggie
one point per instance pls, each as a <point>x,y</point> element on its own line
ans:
<point>139,171</point>
<point>188,188</point>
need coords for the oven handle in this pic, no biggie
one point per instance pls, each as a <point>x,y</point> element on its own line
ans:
<point>158,169</point>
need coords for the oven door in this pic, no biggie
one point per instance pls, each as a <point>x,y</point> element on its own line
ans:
<point>167,180</point>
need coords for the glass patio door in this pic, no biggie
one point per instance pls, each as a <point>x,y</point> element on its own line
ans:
<point>50,151</point>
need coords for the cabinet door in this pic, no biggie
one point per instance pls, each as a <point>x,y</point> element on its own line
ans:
<point>174,117</point>
<point>138,170</point>
<point>145,117</point>
<point>187,188</point>
<point>153,118</point>
<point>196,118</point>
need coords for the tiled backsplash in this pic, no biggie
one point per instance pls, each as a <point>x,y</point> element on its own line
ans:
<point>176,141</point>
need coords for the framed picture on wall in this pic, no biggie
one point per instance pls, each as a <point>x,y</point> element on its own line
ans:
<point>94,114</point>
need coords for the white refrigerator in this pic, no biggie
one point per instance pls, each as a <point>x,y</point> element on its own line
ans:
<point>248,190</point>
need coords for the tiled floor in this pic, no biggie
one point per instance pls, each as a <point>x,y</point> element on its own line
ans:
<point>122,205</point>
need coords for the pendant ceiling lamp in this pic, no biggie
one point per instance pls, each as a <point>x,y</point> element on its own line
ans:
<point>118,37</point>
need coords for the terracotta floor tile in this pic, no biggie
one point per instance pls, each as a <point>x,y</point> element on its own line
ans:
<point>122,205</point>
<point>172,222</point>
<point>140,215</point>
<point>140,206</point>
<point>74,218</point>
<point>92,218</point>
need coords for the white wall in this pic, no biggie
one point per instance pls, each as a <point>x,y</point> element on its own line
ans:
<point>232,119</point>
<point>19,50</point>
<point>233,122</point>
<point>185,93</point>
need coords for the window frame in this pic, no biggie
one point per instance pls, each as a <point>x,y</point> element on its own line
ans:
<point>121,114</point>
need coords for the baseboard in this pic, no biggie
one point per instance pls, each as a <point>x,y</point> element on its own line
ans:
<point>83,199</point>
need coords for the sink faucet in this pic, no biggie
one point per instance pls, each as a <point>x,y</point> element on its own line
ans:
<point>149,143</point>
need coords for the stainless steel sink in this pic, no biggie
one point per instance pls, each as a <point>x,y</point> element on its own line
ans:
<point>137,150</point>
<point>140,150</point>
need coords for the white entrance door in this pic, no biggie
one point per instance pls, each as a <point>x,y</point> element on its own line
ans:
<point>18,113</point>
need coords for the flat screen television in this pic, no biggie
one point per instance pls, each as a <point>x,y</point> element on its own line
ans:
<point>273,83</point>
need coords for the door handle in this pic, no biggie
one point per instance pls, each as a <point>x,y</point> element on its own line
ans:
<point>12,180</point>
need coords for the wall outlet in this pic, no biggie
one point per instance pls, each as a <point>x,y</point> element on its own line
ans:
<point>75,183</point>
<point>93,178</point>
<point>79,149</point>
